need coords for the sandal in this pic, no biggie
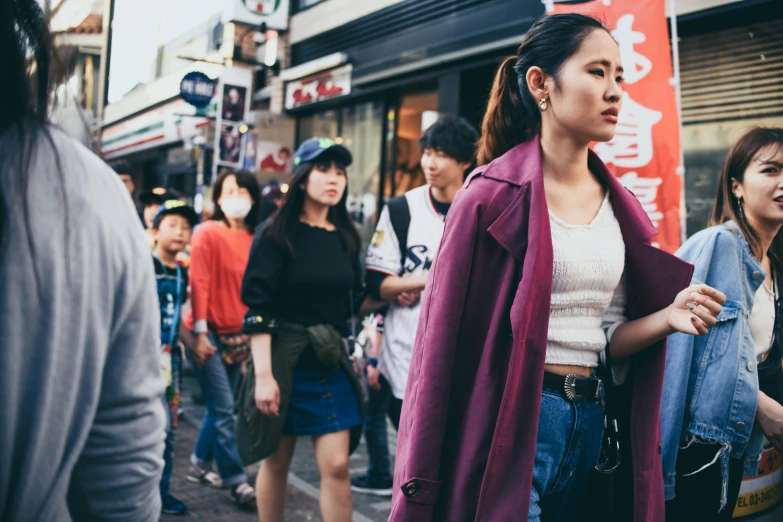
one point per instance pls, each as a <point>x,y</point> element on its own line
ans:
<point>204,477</point>
<point>243,494</point>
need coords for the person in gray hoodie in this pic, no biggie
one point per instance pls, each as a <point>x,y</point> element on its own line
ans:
<point>82,423</point>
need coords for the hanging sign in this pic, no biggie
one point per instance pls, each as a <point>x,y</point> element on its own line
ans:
<point>254,12</point>
<point>197,89</point>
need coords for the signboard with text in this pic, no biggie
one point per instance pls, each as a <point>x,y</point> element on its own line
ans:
<point>645,152</point>
<point>273,12</point>
<point>197,89</point>
<point>319,87</point>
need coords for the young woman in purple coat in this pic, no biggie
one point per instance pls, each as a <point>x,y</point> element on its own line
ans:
<point>545,264</point>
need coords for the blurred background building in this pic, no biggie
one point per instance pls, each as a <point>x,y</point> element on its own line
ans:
<point>372,75</point>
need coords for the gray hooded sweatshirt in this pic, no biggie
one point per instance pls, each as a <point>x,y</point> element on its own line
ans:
<point>81,412</point>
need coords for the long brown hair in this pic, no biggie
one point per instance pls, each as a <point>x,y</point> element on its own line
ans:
<point>727,206</point>
<point>512,115</point>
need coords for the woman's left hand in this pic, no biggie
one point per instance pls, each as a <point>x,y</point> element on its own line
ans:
<point>695,309</point>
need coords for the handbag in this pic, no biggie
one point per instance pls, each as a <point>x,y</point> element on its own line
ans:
<point>234,348</point>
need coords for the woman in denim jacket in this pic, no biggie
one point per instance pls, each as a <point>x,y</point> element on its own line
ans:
<point>722,392</point>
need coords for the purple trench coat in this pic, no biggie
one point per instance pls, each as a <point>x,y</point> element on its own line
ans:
<point>467,439</point>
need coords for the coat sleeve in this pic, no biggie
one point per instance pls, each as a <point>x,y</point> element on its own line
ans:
<point>680,352</point>
<point>423,421</point>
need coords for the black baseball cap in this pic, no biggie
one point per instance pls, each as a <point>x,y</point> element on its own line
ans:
<point>312,149</point>
<point>178,208</point>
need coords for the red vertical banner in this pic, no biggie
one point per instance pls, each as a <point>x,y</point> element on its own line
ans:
<point>645,152</point>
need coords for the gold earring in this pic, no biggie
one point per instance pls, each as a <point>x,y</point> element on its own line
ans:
<point>542,105</point>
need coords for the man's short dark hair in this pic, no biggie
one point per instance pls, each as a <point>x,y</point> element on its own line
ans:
<point>121,167</point>
<point>454,137</point>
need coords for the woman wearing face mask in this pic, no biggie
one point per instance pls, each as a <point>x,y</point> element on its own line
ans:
<point>219,254</point>
<point>723,393</point>
<point>301,278</point>
<point>544,269</point>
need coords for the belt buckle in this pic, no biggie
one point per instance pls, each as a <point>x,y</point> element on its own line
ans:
<point>570,387</point>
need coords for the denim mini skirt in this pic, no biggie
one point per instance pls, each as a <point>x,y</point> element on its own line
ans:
<point>322,399</point>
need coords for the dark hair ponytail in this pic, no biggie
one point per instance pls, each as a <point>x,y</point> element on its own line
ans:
<point>25,59</point>
<point>512,115</point>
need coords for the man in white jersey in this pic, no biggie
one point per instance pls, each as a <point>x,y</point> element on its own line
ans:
<point>398,260</point>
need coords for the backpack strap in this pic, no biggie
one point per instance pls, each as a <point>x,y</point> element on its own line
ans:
<point>400,216</point>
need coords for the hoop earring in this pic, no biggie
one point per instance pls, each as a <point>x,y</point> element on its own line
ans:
<point>542,105</point>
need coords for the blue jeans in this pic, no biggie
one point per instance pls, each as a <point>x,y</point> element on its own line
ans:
<point>567,447</point>
<point>375,431</point>
<point>172,406</point>
<point>217,439</point>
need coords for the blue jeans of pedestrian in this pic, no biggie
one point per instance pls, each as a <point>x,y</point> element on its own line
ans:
<point>375,431</point>
<point>217,439</point>
<point>567,447</point>
<point>172,407</point>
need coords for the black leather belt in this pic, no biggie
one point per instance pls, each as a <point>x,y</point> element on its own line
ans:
<point>575,387</point>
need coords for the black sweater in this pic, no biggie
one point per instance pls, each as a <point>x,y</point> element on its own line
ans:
<point>312,287</point>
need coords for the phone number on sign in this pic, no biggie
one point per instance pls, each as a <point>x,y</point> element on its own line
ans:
<point>761,497</point>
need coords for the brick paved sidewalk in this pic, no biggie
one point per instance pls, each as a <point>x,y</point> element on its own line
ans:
<point>209,504</point>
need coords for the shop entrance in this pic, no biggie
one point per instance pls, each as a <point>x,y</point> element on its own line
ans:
<point>416,113</point>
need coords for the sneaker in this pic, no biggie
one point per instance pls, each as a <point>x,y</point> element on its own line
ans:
<point>370,486</point>
<point>243,494</point>
<point>203,477</point>
<point>172,505</point>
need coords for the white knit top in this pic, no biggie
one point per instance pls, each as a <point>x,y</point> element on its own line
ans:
<point>762,319</point>
<point>588,290</point>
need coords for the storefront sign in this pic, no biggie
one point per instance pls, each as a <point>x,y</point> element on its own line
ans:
<point>197,89</point>
<point>645,152</point>
<point>318,88</point>
<point>272,12</point>
<point>165,125</point>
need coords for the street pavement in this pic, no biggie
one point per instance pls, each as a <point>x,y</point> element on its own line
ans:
<point>208,504</point>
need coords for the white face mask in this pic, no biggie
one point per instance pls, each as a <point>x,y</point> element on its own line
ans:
<point>236,208</point>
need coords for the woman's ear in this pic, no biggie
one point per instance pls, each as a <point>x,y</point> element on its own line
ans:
<point>536,83</point>
<point>736,188</point>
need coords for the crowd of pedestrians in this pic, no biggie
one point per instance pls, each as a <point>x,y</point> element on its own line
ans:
<point>525,312</point>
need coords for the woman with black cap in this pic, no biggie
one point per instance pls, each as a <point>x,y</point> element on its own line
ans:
<point>302,276</point>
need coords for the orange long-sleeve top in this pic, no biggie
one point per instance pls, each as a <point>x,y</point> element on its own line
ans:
<point>218,259</point>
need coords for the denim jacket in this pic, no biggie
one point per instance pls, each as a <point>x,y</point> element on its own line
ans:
<point>711,384</point>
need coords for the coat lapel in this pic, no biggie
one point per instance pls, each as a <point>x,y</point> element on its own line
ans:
<point>520,167</point>
<point>653,277</point>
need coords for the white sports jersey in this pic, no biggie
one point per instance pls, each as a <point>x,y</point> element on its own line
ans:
<point>424,235</point>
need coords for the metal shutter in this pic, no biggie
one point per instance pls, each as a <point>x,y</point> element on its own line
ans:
<point>736,74</point>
